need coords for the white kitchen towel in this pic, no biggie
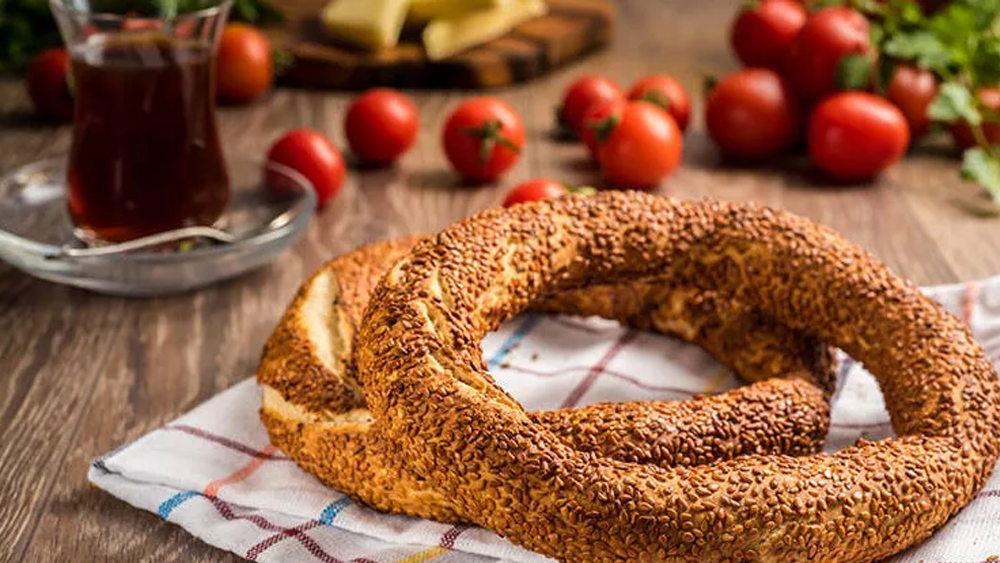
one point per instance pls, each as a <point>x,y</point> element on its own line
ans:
<point>213,472</point>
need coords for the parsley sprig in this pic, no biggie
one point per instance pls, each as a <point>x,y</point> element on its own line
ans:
<point>960,44</point>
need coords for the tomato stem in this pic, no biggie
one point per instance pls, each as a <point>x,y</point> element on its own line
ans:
<point>603,128</point>
<point>582,190</point>
<point>708,83</point>
<point>657,98</point>
<point>490,134</point>
<point>282,60</point>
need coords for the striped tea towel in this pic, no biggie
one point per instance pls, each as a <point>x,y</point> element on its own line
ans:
<point>213,472</point>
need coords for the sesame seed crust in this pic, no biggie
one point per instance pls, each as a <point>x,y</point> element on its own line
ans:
<point>315,412</point>
<point>420,369</point>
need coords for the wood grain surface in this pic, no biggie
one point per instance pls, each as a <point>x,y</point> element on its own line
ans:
<point>570,30</point>
<point>80,374</point>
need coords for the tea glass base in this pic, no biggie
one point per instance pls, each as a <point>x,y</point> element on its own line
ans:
<point>35,230</point>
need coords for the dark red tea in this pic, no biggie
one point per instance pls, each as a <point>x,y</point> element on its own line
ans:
<point>146,156</point>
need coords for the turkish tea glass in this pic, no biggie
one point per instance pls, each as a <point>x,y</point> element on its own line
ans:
<point>146,155</point>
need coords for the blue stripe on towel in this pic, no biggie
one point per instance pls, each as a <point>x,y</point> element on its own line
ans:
<point>333,509</point>
<point>173,502</point>
<point>529,323</point>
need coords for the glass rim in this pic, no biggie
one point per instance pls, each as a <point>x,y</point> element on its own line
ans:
<point>65,6</point>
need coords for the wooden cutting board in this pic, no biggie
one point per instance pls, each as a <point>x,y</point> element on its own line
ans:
<point>570,30</point>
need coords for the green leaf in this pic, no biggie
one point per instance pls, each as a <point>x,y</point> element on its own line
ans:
<point>953,25</point>
<point>820,4</point>
<point>954,102</point>
<point>884,70</point>
<point>854,72</point>
<point>259,12</point>
<point>246,11</point>
<point>168,8</point>
<point>981,166</point>
<point>26,27</point>
<point>922,47</point>
<point>868,6</point>
<point>876,33</point>
<point>986,13</point>
<point>985,62</point>
<point>909,11</point>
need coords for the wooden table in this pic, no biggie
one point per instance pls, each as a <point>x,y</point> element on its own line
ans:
<point>81,373</point>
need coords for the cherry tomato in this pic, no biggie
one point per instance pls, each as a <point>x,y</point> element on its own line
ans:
<point>244,66</point>
<point>583,93</point>
<point>381,125</point>
<point>596,122</point>
<point>962,134</point>
<point>48,84</point>
<point>827,37</point>
<point>752,115</point>
<point>762,35</point>
<point>855,135</point>
<point>482,138</point>
<point>913,89</point>
<point>665,92</point>
<point>535,190</point>
<point>642,148</point>
<point>311,154</point>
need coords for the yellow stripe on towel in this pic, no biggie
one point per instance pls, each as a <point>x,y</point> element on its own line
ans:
<point>425,555</point>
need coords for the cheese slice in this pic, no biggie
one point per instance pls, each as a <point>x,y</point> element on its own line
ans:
<point>423,11</point>
<point>370,24</point>
<point>444,37</point>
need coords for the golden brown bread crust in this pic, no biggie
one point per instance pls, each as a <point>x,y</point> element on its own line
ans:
<point>435,406</point>
<point>336,297</point>
<point>314,411</point>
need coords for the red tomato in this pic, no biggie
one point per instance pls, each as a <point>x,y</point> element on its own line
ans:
<point>827,37</point>
<point>913,89</point>
<point>962,135</point>
<point>482,138</point>
<point>752,115</point>
<point>855,135</point>
<point>244,66</point>
<point>665,92</point>
<point>311,154</point>
<point>535,190</point>
<point>583,93</point>
<point>642,148</point>
<point>597,120</point>
<point>48,84</point>
<point>761,36</point>
<point>381,125</point>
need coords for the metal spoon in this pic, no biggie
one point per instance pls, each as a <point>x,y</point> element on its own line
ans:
<point>176,235</point>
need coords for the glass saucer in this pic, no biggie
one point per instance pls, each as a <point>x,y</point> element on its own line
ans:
<point>36,234</point>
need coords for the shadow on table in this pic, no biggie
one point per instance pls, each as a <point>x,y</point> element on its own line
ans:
<point>22,119</point>
<point>796,168</point>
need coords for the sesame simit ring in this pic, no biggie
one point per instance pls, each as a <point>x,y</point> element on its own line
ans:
<point>315,411</point>
<point>451,428</point>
